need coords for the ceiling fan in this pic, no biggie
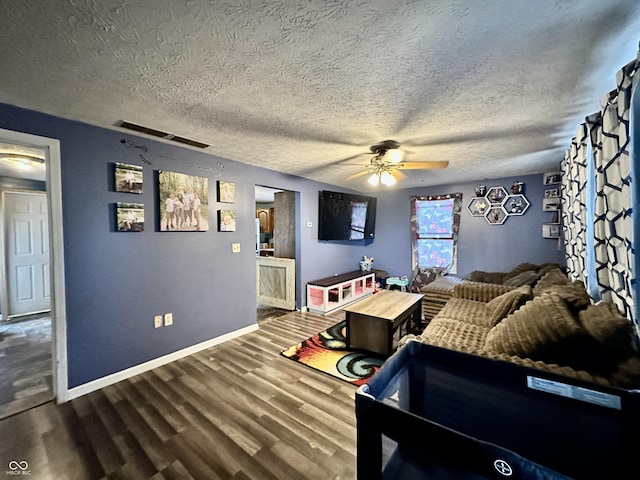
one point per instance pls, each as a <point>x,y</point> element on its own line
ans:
<point>387,162</point>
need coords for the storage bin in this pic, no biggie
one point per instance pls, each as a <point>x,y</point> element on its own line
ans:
<point>436,413</point>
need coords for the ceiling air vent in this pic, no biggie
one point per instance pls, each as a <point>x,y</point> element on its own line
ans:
<point>158,133</point>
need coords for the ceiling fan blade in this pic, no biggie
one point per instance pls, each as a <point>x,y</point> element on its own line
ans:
<point>398,174</point>
<point>348,159</point>
<point>423,165</point>
<point>356,175</point>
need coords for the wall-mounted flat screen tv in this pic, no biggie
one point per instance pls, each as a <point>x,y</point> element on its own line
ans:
<point>346,216</point>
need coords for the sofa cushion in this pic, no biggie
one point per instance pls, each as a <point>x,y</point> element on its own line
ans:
<point>613,332</point>
<point>546,267</point>
<point>573,293</point>
<point>525,278</point>
<point>469,311</point>
<point>455,335</point>
<point>544,329</point>
<point>627,374</point>
<point>523,267</point>
<point>486,277</point>
<point>552,277</point>
<point>478,291</point>
<point>507,303</point>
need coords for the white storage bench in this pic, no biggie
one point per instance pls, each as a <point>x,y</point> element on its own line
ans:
<point>332,293</point>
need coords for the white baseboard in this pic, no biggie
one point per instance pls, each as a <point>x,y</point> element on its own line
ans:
<point>94,385</point>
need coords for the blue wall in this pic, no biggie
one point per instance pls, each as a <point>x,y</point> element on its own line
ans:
<point>481,246</point>
<point>116,282</point>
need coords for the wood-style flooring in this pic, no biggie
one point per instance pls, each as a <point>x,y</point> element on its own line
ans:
<point>238,410</point>
<point>25,364</point>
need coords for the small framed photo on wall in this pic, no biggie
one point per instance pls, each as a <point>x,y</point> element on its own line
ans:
<point>130,217</point>
<point>551,204</point>
<point>551,230</point>
<point>552,193</point>
<point>226,220</point>
<point>128,178</point>
<point>226,192</point>
<point>551,178</point>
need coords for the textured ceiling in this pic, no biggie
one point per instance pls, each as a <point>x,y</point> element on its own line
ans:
<point>496,87</point>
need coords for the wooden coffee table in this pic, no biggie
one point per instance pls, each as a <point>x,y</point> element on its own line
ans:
<point>378,322</point>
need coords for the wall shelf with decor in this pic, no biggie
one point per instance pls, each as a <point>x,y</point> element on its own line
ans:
<point>496,204</point>
<point>552,203</point>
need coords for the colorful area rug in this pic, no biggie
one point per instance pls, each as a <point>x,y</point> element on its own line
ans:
<point>327,352</point>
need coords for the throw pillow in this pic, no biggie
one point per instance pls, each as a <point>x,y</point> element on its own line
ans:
<point>507,303</point>
<point>544,329</point>
<point>573,293</point>
<point>523,267</point>
<point>552,277</point>
<point>613,332</point>
<point>547,267</point>
<point>525,278</point>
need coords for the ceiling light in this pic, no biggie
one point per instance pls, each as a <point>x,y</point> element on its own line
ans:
<point>374,179</point>
<point>387,179</point>
<point>394,155</point>
<point>22,162</point>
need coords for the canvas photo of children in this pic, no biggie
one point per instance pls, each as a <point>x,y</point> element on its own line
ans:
<point>226,220</point>
<point>128,178</point>
<point>226,192</point>
<point>130,217</point>
<point>184,204</point>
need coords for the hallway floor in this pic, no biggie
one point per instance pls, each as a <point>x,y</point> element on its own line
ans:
<point>25,364</point>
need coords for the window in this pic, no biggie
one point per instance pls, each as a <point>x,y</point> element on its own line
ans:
<point>434,233</point>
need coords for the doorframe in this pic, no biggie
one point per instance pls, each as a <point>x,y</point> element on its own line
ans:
<point>51,149</point>
<point>296,218</point>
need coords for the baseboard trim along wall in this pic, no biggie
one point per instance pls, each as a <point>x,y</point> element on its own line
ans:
<point>94,385</point>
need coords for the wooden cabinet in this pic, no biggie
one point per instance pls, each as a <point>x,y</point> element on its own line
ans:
<point>266,217</point>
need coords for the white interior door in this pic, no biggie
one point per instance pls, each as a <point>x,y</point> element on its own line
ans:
<point>27,253</point>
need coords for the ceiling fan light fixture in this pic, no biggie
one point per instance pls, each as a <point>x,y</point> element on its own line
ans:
<point>394,155</point>
<point>387,179</point>
<point>22,162</point>
<point>374,179</point>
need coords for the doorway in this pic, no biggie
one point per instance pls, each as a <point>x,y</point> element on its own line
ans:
<point>33,323</point>
<point>276,251</point>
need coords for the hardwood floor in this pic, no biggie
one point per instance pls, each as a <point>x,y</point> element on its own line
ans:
<point>25,364</point>
<point>235,411</point>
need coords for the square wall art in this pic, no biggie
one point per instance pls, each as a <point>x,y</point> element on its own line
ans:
<point>128,178</point>
<point>130,217</point>
<point>226,192</point>
<point>226,220</point>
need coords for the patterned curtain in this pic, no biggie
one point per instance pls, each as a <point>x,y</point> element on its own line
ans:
<point>574,205</point>
<point>423,276</point>
<point>613,224</point>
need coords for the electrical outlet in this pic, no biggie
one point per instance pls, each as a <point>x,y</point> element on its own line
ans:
<point>157,321</point>
<point>235,247</point>
<point>168,319</point>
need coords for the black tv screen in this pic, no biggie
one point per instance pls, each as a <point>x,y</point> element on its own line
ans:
<point>346,216</point>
